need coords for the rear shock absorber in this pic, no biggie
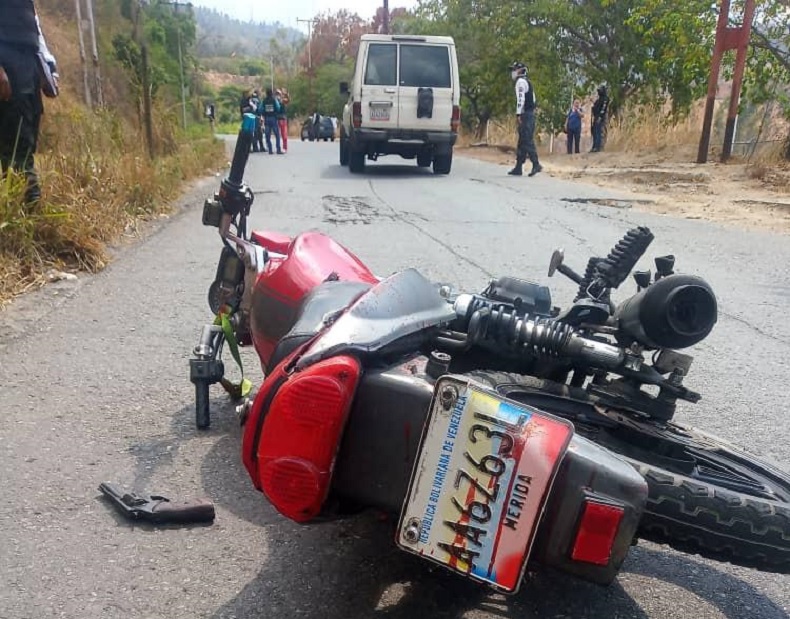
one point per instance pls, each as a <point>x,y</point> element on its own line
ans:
<point>537,337</point>
<point>533,337</point>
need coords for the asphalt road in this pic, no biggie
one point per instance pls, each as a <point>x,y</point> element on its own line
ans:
<point>94,386</point>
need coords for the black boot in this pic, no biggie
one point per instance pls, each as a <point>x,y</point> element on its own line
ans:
<point>535,169</point>
<point>516,171</point>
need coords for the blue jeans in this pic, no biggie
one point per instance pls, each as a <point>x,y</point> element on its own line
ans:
<point>272,127</point>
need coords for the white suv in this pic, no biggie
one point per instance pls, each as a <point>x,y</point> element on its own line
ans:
<point>404,100</point>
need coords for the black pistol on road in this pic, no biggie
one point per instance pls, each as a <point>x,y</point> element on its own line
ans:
<point>158,509</point>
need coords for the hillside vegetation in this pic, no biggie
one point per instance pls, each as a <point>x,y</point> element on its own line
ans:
<point>99,178</point>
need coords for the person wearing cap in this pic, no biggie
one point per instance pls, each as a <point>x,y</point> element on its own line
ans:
<point>22,45</point>
<point>282,119</point>
<point>600,111</point>
<point>526,103</point>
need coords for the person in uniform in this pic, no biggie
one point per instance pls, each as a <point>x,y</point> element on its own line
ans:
<point>600,111</point>
<point>525,115</point>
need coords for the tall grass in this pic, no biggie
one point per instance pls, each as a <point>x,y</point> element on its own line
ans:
<point>96,181</point>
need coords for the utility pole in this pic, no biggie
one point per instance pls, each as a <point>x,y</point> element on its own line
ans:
<point>726,38</point>
<point>176,4</point>
<point>145,83</point>
<point>386,16</point>
<point>271,63</point>
<point>95,53</point>
<point>83,59</point>
<point>309,23</point>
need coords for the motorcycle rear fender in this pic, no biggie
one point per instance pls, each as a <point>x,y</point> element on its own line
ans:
<point>381,444</point>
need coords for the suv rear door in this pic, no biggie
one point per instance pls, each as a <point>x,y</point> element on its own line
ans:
<point>380,86</point>
<point>424,65</point>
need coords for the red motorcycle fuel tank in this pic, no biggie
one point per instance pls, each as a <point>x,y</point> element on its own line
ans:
<point>312,258</point>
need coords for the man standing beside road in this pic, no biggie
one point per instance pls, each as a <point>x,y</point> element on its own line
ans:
<point>21,107</point>
<point>599,112</point>
<point>282,119</point>
<point>270,107</point>
<point>525,115</point>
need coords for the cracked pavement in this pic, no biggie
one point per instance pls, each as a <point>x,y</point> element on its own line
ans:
<point>94,386</point>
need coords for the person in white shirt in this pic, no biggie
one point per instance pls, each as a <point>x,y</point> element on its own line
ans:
<point>526,103</point>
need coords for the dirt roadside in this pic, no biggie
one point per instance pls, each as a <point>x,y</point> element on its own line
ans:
<point>752,196</point>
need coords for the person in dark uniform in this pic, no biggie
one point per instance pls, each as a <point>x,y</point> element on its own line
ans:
<point>525,114</point>
<point>257,136</point>
<point>270,108</point>
<point>21,107</point>
<point>600,111</point>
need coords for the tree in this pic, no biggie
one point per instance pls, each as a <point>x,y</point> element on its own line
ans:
<point>335,38</point>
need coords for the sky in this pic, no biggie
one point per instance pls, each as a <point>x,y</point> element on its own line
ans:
<point>287,11</point>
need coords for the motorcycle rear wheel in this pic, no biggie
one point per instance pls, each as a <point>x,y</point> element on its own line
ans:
<point>706,496</point>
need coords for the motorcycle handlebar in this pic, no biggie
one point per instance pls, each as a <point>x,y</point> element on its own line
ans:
<point>242,152</point>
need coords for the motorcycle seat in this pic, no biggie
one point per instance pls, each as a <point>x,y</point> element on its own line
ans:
<point>326,298</point>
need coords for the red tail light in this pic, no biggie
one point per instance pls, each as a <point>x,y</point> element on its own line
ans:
<point>596,534</point>
<point>301,435</point>
<point>456,119</point>
<point>356,114</point>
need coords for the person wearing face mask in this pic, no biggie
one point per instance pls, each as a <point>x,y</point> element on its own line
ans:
<point>525,115</point>
<point>27,68</point>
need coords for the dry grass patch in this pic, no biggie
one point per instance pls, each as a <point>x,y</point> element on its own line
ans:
<point>97,180</point>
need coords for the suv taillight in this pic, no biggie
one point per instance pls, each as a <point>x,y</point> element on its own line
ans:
<point>301,435</point>
<point>597,531</point>
<point>456,119</point>
<point>356,114</point>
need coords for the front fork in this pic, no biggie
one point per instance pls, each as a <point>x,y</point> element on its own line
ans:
<point>205,369</point>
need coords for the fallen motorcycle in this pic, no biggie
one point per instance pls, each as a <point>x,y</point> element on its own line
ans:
<point>504,432</point>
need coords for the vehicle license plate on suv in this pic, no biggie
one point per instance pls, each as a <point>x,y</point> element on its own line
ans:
<point>379,112</point>
<point>480,483</point>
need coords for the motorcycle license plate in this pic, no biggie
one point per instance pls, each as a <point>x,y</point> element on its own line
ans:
<point>379,113</point>
<point>480,483</point>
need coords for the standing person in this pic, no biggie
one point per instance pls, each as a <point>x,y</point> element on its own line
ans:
<point>257,136</point>
<point>525,115</point>
<point>282,119</point>
<point>21,106</point>
<point>573,126</point>
<point>600,111</point>
<point>245,105</point>
<point>269,110</point>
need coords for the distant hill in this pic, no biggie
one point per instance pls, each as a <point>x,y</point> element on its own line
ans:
<point>221,35</point>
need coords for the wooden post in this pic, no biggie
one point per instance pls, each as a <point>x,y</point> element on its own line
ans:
<point>86,84</point>
<point>741,39</point>
<point>147,115</point>
<point>713,81</point>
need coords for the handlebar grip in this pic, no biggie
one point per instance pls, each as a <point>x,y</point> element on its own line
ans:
<point>242,152</point>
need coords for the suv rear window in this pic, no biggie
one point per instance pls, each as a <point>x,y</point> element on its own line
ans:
<point>425,66</point>
<point>382,65</point>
